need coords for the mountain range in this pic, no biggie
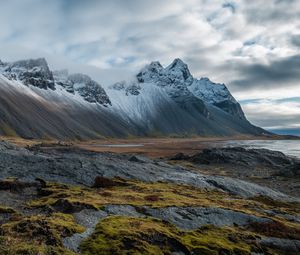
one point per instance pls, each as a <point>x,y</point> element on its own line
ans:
<point>36,102</point>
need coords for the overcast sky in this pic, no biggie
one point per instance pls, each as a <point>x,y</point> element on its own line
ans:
<point>252,46</point>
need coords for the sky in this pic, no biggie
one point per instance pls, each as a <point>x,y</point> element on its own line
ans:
<point>251,46</point>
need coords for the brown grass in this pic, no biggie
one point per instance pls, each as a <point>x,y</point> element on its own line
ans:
<point>275,229</point>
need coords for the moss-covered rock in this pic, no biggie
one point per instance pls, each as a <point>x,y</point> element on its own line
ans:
<point>129,235</point>
<point>38,234</point>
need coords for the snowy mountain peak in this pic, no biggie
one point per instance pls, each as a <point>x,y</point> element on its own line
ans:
<point>209,91</point>
<point>162,100</point>
<point>179,70</point>
<point>216,94</point>
<point>181,85</point>
<point>87,88</point>
<point>33,72</point>
<point>178,64</point>
<point>31,63</point>
<point>156,65</point>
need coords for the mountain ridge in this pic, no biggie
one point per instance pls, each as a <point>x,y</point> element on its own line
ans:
<point>158,101</point>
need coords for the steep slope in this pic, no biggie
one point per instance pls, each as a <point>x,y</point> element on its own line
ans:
<point>217,95</point>
<point>36,102</point>
<point>33,112</point>
<point>171,101</point>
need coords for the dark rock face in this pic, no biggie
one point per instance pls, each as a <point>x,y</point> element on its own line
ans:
<point>61,78</point>
<point>132,88</point>
<point>233,108</point>
<point>185,89</point>
<point>175,78</point>
<point>194,217</point>
<point>291,171</point>
<point>260,166</point>
<point>242,156</point>
<point>87,88</point>
<point>90,90</point>
<point>288,246</point>
<point>216,94</point>
<point>33,72</point>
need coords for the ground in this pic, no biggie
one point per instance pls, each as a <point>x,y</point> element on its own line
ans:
<point>134,215</point>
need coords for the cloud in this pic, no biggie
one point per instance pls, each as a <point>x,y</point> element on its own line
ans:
<point>277,73</point>
<point>252,46</point>
<point>295,40</point>
<point>274,114</point>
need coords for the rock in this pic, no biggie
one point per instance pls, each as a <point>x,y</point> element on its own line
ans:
<point>123,210</point>
<point>130,88</point>
<point>136,159</point>
<point>216,94</point>
<point>33,72</point>
<point>75,166</point>
<point>89,89</point>
<point>242,156</point>
<point>180,156</point>
<point>175,79</point>
<point>287,245</point>
<point>65,206</point>
<point>189,218</point>
<point>88,219</point>
<point>291,171</point>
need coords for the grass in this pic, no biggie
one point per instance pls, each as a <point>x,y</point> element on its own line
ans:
<point>128,192</point>
<point>5,209</point>
<point>158,194</point>
<point>43,234</point>
<point>38,234</point>
<point>129,235</point>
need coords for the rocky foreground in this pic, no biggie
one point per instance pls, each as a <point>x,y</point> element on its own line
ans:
<point>64,200</point>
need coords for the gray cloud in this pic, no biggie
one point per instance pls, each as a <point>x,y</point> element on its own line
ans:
<point>295,40</point>
<point>278,73</point>
<point>250,45</point>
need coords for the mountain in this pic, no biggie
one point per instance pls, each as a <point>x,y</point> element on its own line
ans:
<point>40,103</point>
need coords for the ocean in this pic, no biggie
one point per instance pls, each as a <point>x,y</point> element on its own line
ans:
<point>288,147</point>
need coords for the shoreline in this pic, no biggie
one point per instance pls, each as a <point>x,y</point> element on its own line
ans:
<point>153,147</point>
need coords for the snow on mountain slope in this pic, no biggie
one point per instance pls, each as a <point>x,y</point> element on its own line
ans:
<point>33,112</point>
<point>36,102</point>
<point>216,94</point>
<point>174,79</point>
<point>36,73</point>
<point>33,72</point>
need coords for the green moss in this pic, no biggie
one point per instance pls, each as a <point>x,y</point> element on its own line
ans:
<point>129,235</point>
<point>157,194</point>
<point>5,209</point>
<point>129,192</point>
<point>38,234</point>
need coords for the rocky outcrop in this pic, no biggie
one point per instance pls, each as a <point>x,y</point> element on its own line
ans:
<point>287,246</point>
<point>34,72</point>
<point>185,218</point>
<point>90,90</point>
<point>81,167</point>
<point>132,88</point>
<point>245,157</point>
<point>216,94</point>
<point>82,84</point>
